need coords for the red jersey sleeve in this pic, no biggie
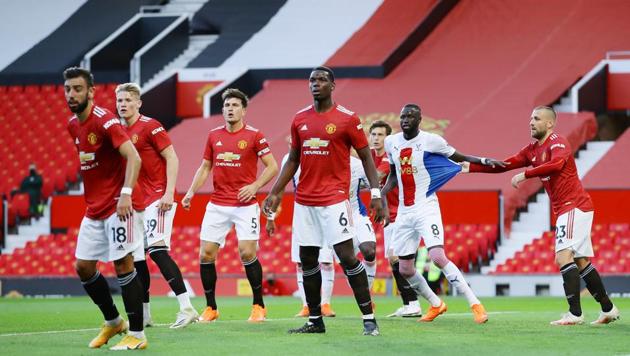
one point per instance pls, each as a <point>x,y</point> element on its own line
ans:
<point>519,160</point>
<point>355,131</point>
<point>559,153</point>
<point>157,136</point>
<point>207,154</point>
<point>115,131</point>
<point>261,145</point>
<point>295,138</point>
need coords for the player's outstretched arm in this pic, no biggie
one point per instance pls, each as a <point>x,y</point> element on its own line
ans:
<point>286,174</point>
<point>460,157</point>
<point>132,169</point>
<point>172,167</point>
<point>249,191</point>
<point>380,210</point>
<point>200,178</point>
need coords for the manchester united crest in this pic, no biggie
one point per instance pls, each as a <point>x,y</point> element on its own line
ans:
<point>134,139</point>
<point>92,138</point>
<point>242,144</point>
<point>331,128</point>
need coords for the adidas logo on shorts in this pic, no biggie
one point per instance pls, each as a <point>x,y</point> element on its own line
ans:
<point>345,231</point>
<point>120,248</point>
<point>253,232</point>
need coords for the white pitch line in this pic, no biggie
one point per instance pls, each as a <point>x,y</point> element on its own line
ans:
<point>221,322</point>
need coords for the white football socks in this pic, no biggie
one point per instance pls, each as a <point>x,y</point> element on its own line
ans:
<point>370,269</point>
<point>456,279</point>
<point>184,301</point>
<point>328,281</point>
<point>421,287</point>
<point>300,285</point>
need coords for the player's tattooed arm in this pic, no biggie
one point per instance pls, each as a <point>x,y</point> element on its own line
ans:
<point>200,178</point>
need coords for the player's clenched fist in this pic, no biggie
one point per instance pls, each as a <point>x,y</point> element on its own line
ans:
<point>186,201</point>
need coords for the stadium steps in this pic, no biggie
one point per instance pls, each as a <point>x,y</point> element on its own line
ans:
<point>535,221</point>
<point>28,233</point>
<point>183,6</point>
<point>197,43</point>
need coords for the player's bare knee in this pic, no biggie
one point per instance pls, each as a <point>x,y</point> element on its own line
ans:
<point>85,269</point>
<point>247,255</point>
<point>368,250</point>
<point>407,266</point>
<point>124,265</point>
<point>582,262</point>
<point>438,256</point>
<point>309,257</point>
<point>348,261</point>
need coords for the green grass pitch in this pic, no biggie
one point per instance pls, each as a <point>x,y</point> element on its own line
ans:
<point>517,326</point>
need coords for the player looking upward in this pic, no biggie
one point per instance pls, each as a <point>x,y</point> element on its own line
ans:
<point>232,153</point>
<point>153,200</point>
<point>321,137</point>
<point>551,157</point>
<point>110,231</point>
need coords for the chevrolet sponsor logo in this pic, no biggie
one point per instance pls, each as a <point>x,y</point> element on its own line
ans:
<point>315,143</point>
<point>86,156</point>
<point>228,156</point>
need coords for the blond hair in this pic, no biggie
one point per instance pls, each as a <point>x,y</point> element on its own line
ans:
<point>131,88</point>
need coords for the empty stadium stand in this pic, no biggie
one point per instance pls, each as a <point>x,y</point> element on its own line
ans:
<point>611,244</point>
<point>33,121</point>
<point>53,254</point>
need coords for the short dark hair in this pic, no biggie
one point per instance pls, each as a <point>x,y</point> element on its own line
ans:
<point>330,72</point>
<point>75,72</point>
<point>381,123</point>
<point>554,115</point>
<point>413,106</point>
<point>235,93</point>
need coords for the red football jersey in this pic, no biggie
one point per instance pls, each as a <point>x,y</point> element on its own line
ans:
<point>234,158</point>
<point>382,165</point>
<point>324,141</point>
<point>102,167</point>
<point>553,162</point>
<point>150,139</point>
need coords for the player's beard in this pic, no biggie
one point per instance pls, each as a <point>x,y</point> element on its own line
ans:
<point>80,107</point>
<point>538,134</point>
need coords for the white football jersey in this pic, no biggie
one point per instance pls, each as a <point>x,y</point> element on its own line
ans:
<point>358,180</point>
<point>421,166</point>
